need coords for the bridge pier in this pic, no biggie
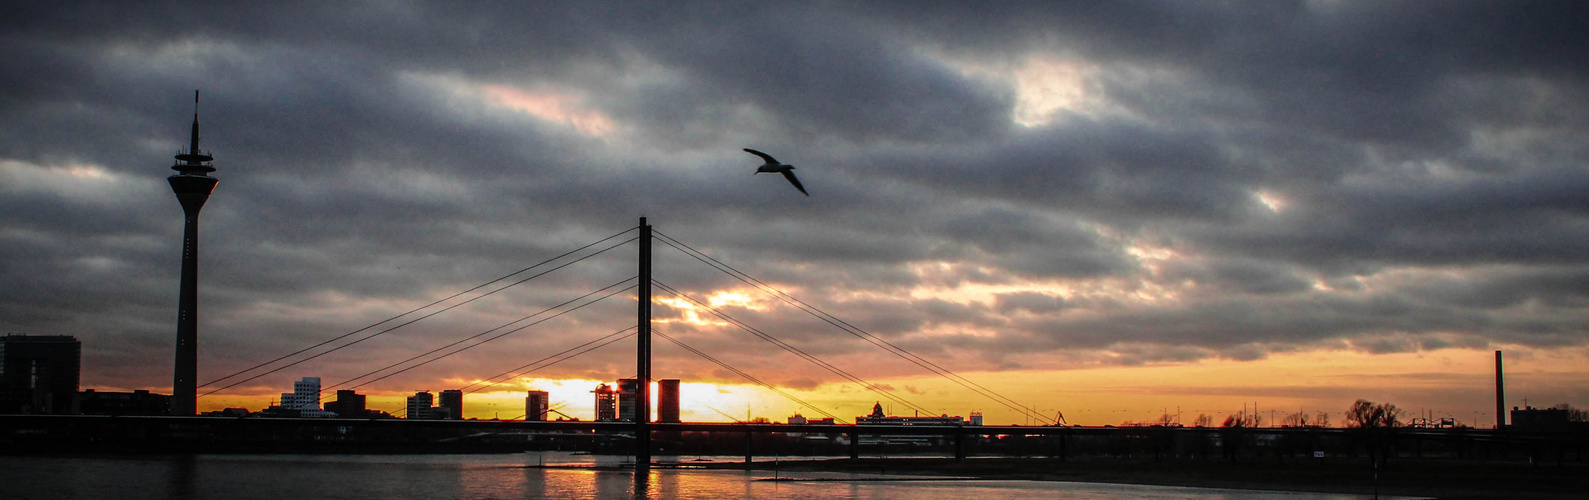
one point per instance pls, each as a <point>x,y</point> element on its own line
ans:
<point>749,442</point>
<point>642,480</point>
<point>960,447</point>
<point>855,445</point>
<point>1063,452</point>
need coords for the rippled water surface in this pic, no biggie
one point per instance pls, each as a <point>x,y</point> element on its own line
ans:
<point>506,476</point>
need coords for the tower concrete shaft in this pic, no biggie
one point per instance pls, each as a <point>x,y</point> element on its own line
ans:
<point>192,185</point>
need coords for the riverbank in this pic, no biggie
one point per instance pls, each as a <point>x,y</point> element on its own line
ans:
<point>1443,479</point>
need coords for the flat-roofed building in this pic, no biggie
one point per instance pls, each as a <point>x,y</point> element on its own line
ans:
<point>668,401</point>
<point>452,402</point>
<point>536,405</point>
<point>39,373</point>
<point>349,404</point>
<point>420,406</point>
<point>606,403</point>
<point>628,399</point>
<point>139,402</point>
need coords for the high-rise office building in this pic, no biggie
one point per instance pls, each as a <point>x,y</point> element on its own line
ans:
<point>606,403</point>
<point>349,404</point>
<point>39,373</point>
<point>452,403</point>
<point>536,405</point>
<point>668,401</point>
<point>420,406</point>
<point>305,393</point>
<point>628,399</point>
<point>304,398</point>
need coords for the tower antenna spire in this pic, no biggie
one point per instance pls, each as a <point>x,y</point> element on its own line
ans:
<point>193,147</point>
<point>194,162</point>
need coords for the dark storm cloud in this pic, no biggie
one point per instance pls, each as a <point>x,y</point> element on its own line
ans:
<point>1250,177</point>
<point>1243,276</point>
<point>1356,69</point>
<point>1034,302</point>
<point>821,74</point>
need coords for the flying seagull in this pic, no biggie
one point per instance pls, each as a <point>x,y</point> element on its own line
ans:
<point>772,166</point>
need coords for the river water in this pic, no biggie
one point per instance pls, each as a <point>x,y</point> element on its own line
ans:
<point>435,477</point>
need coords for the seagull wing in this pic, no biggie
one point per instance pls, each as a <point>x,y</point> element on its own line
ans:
<point>764,156</point>
<point>789,174</point>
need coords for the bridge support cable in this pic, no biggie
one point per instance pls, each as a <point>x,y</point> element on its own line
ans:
<point>417,309</point>
<point>730,417</point>
<point>554,359</point>
<point>853,330</point>
<point>798,352</point>
<point>412,321</point>
<point>496,329</point>
<point>497,336</point>
<point>746,376</point>
<point>551,409</point>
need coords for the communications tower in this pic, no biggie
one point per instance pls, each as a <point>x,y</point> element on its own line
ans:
<point>192,185</point>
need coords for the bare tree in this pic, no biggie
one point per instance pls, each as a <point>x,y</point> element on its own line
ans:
<point>1203,420</point>
<point>1366,414</point>
<point>1235,420</point>
<point>1574,414</point>
<point>1376,425</point>
<point>1165,420</point>
<point>1298,419</point>
<point>1242,419</point>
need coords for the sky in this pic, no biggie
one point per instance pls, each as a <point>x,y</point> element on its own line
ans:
<point>1111,210</point>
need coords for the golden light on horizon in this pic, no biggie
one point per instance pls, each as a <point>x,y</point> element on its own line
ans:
<point>1450,382</point>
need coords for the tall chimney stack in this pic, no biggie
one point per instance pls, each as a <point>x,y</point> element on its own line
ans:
<point>1500,395</point>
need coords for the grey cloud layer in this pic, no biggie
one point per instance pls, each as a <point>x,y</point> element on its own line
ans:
<point>1429,160</point>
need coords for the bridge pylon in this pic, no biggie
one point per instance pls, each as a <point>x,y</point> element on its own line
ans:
<point>643,352</point>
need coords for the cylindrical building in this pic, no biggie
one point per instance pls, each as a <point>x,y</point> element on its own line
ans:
<point>668,401</point>
<point>536,405</point>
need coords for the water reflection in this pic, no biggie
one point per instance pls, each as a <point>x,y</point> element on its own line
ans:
<point>642,482</point>
<point>183,473</point>
<point>500,476</point>
<point>666,485</point>
<point>534,483</point>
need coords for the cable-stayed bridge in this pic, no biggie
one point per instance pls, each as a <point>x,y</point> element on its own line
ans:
<point>92,433</point>
<point>641,330</point>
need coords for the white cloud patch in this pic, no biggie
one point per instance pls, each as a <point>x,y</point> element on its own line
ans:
<point>559,106</point>
<point>81,183</point>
